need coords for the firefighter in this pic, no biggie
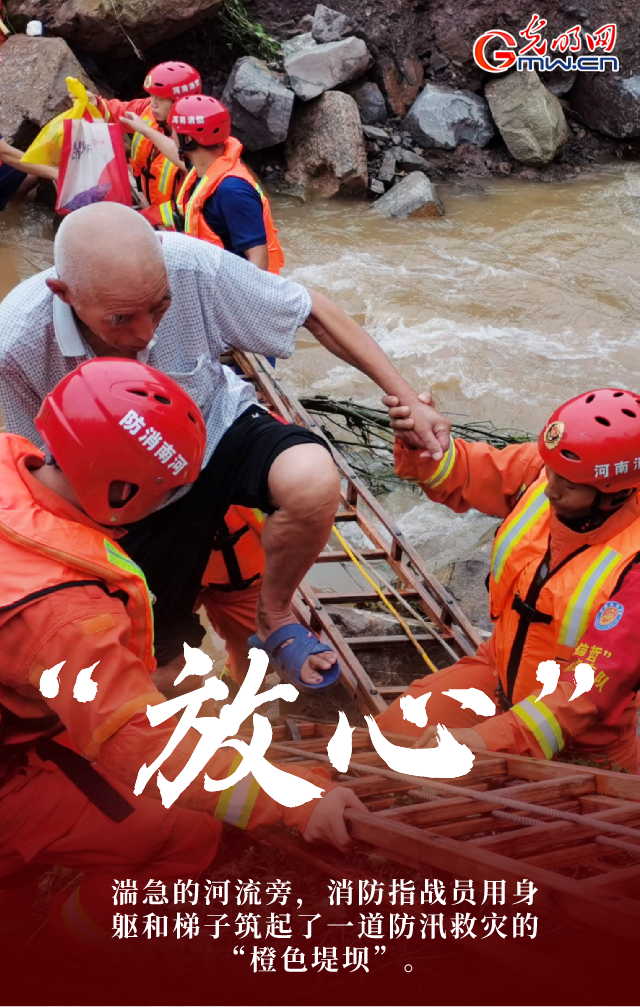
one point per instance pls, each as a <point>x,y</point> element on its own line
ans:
<point>564,583</point>
<point>72,600</point>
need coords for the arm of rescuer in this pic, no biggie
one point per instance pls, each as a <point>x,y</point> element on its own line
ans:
<point>472,474</point>
<point>86,626</point>
<point>113,110</point>
<point>613,654</point>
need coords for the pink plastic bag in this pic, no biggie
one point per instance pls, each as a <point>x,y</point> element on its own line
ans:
<point>93,165</point>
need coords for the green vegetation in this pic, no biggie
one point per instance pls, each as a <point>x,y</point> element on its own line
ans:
<point>241,33</point>
<point>364,435</point>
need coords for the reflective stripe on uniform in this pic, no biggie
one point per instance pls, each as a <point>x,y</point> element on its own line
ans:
<point>444,468</point>
<point>121,560</point>
<point>580,604</point>
<point>235,804</point>
<point>539,720</point>
<point>188,208</point>
<point>516,528</point>
<point>166,212</point>
<point>164,184</point>
<point>135,143</point>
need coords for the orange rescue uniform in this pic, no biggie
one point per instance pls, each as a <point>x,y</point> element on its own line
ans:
<point>195,192</point>
<point>69,595</point>
<point>547,584</point>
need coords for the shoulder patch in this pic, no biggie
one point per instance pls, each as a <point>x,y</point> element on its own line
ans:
<point>609,615</point>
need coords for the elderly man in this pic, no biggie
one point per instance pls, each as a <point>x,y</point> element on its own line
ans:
<point>119,289</point>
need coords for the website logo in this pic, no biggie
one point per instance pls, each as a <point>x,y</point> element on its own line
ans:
<point>537,53</point>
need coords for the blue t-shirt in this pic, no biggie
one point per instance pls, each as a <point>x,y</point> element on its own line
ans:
<point>10,179</point>
<point>234,212</point>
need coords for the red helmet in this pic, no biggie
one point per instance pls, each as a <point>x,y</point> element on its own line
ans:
<point>171,80</point>
<point>117,420</point>
<point>201,117</point>
<point>595,439</point>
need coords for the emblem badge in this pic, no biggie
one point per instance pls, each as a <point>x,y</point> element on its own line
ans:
<point>553,434</point>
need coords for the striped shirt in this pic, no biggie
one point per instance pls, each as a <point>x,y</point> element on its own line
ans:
<point>218,300</point>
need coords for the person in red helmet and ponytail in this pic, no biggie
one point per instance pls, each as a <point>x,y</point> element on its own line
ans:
<point>159,179</point>
<point>119,436</point>
<point>564,584</point>
<point>219,201</point>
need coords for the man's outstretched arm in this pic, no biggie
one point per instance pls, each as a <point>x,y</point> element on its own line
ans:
<point>346,339</point>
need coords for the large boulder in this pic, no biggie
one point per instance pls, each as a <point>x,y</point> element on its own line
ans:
<point>325,150</point>
<point>413,196</point>
<point>259,102</point>
<point>322,67</point>
<point>608,104</point>
<point>112,26</point>
<point>528,115</point>
<point>442,117</point>
<point>32,85</point>
<point>370,101</point>
<point>330,25</point>
<point>401,80</point>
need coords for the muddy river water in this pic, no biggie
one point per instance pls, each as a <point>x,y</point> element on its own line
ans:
<point>521,296</point>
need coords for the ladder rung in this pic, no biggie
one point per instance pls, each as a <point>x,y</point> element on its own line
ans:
<point>361,643</point>
<point>335,598</point>
<point>339,556</point>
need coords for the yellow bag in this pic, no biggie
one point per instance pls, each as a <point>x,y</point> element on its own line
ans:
<point>47,146</point>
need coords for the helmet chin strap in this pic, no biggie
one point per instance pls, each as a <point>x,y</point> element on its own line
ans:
<point>599,514</point>
<point>185,145</point>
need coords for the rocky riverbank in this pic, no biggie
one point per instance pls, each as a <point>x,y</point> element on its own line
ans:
<point>352,101</point>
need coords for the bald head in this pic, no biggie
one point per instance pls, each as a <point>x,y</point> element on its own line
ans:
<point>102,244</point>
<point>111,271</point>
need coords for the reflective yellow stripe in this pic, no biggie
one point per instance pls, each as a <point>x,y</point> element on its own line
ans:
<point>166,212</point>
<point>235,804</point>
<point>164,175</point>
<point>516,528</point>
<point>444,468</point>
<point>122,561</point>
<point>135,143</point>
<point>580,604</point>
<point>542,723</point>
<point>259,515</point>
<point>190,203</point>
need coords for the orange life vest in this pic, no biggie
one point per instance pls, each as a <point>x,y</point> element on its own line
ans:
<point>42,553</point>
<point>540,615</point>
<point>194,194</point>
<point>160,179</point>
<point>237,559</point>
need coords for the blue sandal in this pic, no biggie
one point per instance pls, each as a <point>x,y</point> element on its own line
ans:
<point>290,659</point>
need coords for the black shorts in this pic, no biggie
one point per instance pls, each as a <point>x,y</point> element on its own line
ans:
<point>173,545</point>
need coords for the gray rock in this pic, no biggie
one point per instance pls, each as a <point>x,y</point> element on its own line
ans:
<point>370,101</point>
<point>529,117</point>
<point>32,85</point>
<point>607,103</point>
<point>466,577</point>
<point>409,161</point>
<point>329,25</point>
<point>376,186</point>
<point>375,133</point>
<point>325,149</point>
<point>413,195</point>
<point>259,103</point>
<point>323,67</point>
<point>297,44</point>
<point>388,167</point>
<point>442,117</point>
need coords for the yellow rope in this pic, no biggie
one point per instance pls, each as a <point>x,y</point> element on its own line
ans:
<point>352,556</point>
